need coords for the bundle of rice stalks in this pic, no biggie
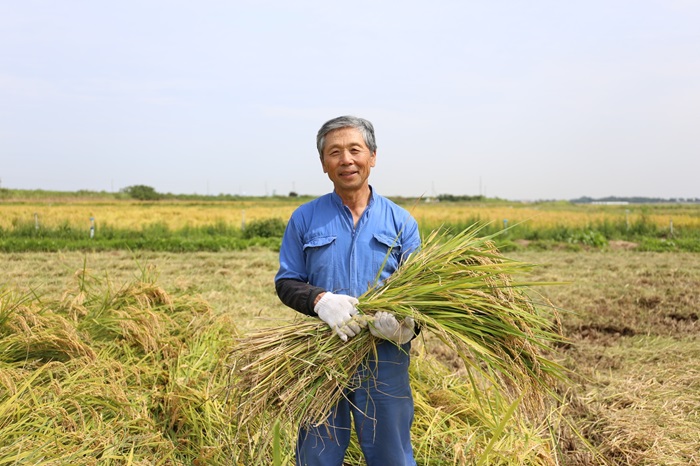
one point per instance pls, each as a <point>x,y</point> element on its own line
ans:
<point>461,289</point>
<point>457,286</point>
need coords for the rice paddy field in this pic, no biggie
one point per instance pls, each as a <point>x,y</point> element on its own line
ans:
<point>76,213</point>
<point>122,355</point>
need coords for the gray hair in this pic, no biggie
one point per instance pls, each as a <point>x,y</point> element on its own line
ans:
<point>347,121</point>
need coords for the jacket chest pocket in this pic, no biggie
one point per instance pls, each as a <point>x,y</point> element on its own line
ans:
<point>320,256</point>
<point>386,254</point>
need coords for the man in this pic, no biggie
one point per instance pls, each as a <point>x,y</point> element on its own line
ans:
<point>334,248</point>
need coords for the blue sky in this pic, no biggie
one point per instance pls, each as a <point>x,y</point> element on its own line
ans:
<point>518,100</point>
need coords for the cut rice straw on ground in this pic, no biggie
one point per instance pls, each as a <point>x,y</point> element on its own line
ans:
<point>458,287</point>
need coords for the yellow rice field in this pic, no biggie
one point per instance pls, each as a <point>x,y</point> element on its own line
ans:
<point>556,215</point>
<point>178,214</point>
<point>134,215</point>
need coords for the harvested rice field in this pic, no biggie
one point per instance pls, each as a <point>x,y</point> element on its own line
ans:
<point>121,358</point>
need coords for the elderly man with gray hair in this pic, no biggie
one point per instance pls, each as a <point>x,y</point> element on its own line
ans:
<point>333,249</point>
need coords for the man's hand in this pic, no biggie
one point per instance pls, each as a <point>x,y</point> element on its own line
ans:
<point>387,327</point>
<point>337,310</point>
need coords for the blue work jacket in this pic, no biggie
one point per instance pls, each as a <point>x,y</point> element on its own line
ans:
<point>321,245</point>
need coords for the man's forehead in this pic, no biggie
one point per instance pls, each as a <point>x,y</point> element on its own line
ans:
<point>340,135</point>
<point>345,130</point>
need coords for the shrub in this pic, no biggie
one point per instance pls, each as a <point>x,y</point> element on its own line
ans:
<point>265,228</point>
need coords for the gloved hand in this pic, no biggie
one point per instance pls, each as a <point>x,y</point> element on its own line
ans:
<point>387,327</point>
<point>337,310</point>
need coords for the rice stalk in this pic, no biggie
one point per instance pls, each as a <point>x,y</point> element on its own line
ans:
<point>95,377</point>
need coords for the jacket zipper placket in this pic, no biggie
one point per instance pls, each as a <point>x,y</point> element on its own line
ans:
<point>355,232</point>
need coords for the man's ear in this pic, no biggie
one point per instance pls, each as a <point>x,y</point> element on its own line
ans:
<point>373,159</point>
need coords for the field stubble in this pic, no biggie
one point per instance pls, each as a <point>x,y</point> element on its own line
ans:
<point>631,317</point>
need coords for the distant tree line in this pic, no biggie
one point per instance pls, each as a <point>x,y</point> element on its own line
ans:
<point>453,198</point>
<point>635,200</point>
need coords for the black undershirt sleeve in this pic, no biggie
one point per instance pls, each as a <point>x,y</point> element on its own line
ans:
<point>298,295</point>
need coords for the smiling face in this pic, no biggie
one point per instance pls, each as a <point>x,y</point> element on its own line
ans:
<point>347,160</point>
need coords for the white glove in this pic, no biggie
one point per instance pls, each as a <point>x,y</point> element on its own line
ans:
<point>387,327</point>
<point>337,310</point>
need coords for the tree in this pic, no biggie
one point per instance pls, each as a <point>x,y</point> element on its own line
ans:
<point>142,192</point>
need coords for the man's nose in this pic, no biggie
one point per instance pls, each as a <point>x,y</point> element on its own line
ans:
<point>345,157</point>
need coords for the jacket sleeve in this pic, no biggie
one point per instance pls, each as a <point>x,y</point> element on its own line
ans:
<point>298,295</point>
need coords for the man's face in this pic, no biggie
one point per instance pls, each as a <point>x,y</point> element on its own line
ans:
<point>347,160</point>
